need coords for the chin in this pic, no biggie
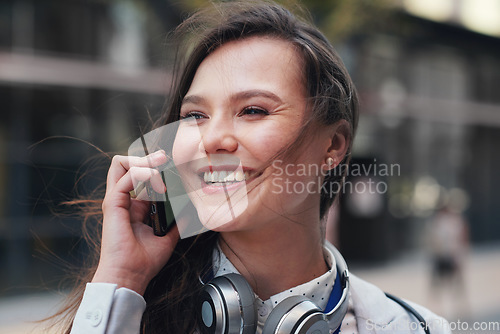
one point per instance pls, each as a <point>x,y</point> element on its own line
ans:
<point>219,205</point>
<point>227,223</point>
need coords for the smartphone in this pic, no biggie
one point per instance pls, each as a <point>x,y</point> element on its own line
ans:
<point>161,215</point>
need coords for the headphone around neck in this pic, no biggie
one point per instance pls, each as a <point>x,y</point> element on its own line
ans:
<point>226,306</point>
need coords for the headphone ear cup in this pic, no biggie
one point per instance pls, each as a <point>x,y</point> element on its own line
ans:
<point>246,302</point>
<point>226,306</point>
<point>291,314</point>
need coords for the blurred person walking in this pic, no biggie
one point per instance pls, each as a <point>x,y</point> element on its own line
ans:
<point>449,245</point>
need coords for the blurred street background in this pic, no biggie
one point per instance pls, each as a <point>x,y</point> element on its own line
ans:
<point>83,77</point>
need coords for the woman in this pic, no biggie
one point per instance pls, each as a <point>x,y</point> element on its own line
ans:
<point>265,89</point>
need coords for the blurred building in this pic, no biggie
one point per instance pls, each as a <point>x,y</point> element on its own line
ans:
<point>73,74</point>
<point>430,104</point>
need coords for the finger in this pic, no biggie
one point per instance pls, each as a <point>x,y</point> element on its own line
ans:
<point>159,246</point>
<point>121,164</point>
<point>170,239</point>
<point>143,195</point>
<point>119,195</point>
<point>151,177</point>
<point>139,211</point>
<point>173,235</point>
<point>145,233</point>
<point>155,181</point>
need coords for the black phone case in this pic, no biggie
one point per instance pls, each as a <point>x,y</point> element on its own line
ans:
<point>161,215</point>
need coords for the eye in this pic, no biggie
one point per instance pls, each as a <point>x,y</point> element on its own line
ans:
<point>254,111</point>
<point>192,115</point>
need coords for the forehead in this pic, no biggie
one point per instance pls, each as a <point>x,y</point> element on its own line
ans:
<point>258,60</point>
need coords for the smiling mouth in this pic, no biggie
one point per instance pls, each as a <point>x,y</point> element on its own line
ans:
<point>221,177</point>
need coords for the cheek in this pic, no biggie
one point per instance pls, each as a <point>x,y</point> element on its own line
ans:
<point>186,146</point>
<point>266,142</point>
<point>178,151</point>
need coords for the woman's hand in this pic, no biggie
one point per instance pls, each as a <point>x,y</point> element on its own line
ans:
<point>131,255</point>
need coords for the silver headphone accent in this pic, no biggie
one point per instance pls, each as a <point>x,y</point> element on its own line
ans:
<point>226,306</point>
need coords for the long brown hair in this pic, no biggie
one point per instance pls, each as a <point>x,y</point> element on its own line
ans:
<point>171,295</point>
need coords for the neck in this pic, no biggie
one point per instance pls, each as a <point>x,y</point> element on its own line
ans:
<point>283,256</point>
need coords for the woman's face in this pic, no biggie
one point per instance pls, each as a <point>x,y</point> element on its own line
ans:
<point>246,103</point>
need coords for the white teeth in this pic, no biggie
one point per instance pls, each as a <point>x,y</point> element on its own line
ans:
<point>217,178</point>
<point>239,176</point>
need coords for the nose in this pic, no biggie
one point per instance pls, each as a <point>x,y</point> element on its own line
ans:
<point>218,136</point>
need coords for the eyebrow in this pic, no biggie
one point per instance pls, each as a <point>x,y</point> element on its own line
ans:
<point>194,99</point>
<point>243,95</point>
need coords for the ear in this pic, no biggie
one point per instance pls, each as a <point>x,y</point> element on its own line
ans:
<point>340,137</point>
